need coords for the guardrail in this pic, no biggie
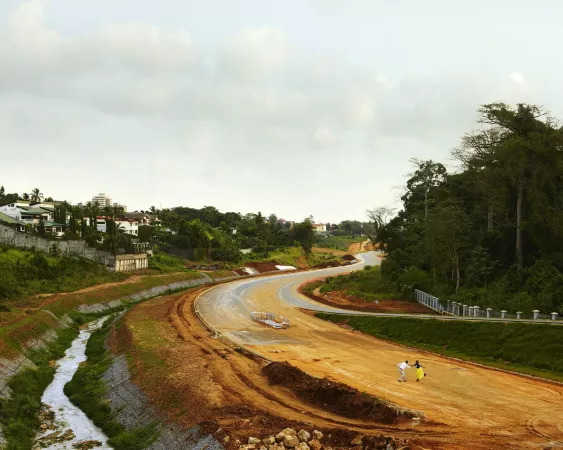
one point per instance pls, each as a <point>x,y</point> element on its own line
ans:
<point>458,309</point>
<point>270,319</point>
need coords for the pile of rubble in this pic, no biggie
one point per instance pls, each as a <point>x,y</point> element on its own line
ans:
<point>304,440</point>
<point>50,432</point>
<point>55,437</point>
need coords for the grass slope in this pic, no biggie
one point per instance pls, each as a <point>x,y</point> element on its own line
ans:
<point>338,242</point>
<point>367,284</point>
<point>527,348</point>
<point>29,272</point>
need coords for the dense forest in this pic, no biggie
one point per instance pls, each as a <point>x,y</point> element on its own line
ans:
<point>490,234</point>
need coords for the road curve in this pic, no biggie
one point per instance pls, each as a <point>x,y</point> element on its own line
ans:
<point>493,409</point>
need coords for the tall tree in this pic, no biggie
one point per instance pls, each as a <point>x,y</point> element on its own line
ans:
<point>36,196</point>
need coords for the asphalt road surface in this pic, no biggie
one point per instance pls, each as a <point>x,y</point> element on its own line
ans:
<point>492,409</point>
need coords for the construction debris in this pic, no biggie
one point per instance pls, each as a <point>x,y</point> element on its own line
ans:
<point>288,438</point>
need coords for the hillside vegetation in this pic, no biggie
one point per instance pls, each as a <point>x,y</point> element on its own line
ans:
<point>29,272</point>
<point>492,233</point>
<point>338,242</point>
<point>368,284</point>
<point>528,348</point>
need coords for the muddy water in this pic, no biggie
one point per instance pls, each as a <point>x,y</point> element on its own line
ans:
<point>67,416</point>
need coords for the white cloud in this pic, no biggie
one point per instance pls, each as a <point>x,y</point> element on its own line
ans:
<point>323,138</point>
<point>257,51</point>
<point>518,78</point>
<point>169,106</point>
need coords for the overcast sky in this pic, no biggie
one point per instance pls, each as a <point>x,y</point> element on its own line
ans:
<point>295,107</point>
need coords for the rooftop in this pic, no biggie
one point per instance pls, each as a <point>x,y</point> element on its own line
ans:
<point>36,211</point>
<point>52,224</point>
<point>5,218</point>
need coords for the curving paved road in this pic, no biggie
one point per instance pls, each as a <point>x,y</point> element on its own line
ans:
<point>492,408</point>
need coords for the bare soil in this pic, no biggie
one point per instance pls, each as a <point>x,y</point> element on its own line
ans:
<point>261,267</point>
<point>194,378</point>
<point>330,395</point>
<point>342,300</point>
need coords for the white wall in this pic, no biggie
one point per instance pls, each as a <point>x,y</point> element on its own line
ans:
<point>12,211</point>
<point>129,227</point>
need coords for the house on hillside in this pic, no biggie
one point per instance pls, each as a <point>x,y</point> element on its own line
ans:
<point>12,210</point>
<point>54,228</point>
<point>23,214</point>
<point>12,222</point>
<point>319,227</point>
<point>33,216</point>
<point>129,226</point>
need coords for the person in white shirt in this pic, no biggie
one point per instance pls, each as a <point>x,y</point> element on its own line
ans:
<point>402,367</point>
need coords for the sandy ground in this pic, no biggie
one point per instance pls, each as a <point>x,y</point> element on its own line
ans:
<point>483,408</point>
<point>195,378</point>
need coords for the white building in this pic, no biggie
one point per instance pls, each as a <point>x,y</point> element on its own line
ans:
<point>319,227</point>
<point>129,226</point>
<point>12,210</point>
<point>102,200</point>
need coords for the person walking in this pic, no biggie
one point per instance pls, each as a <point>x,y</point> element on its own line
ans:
<point>419,372</point>
<point>402,367</point>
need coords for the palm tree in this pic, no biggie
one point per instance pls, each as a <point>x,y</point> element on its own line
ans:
<point>36,196</point>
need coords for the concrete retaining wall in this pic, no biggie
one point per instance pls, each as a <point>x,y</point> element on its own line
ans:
<point>133,410</point>
<point>10,236</point>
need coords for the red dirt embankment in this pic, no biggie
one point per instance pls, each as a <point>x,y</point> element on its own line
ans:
<point>338,299</point>
<point>329,395</point>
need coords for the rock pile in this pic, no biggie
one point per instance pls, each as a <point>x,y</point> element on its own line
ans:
<point>50,432</point>
<point>289,439</point>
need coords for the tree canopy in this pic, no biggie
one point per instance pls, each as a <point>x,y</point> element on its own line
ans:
<point>492,232</point>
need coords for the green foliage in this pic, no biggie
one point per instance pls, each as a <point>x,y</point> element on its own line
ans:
<point>529,348</point>
<point>87,388</point>
<point>304,235</point>
<point>166,263</point>
<point>19,414</point>
<point>337,242</point>
<point>368,284</point>
<point>28,272</point>
<point>493,231</point>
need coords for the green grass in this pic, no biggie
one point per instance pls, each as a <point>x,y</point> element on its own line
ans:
<point>28,272</point>
<point>367,284</point>
<point>19,413</point>
<point>167,263</point>
<point>295,256</point>
<point>528,348</point>
<point>339,242</point>
<point>87,388</point>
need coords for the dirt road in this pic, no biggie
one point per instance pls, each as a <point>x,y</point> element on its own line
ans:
<point>490,409</point>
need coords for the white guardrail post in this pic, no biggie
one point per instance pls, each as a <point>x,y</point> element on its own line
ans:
<point>459,309</point>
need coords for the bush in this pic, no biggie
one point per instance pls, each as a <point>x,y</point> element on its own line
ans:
<point>28,272</point>
<point>368,284</point>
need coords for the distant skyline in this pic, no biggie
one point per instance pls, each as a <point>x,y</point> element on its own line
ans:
<point>295,108</point>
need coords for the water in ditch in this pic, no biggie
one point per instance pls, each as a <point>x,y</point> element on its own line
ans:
<point>65,425</point>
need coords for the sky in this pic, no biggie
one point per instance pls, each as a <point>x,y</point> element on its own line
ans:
<point>296,108</point>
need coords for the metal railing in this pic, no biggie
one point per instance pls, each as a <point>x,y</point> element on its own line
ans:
<point>458,309</point>
<point>271,319</point>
